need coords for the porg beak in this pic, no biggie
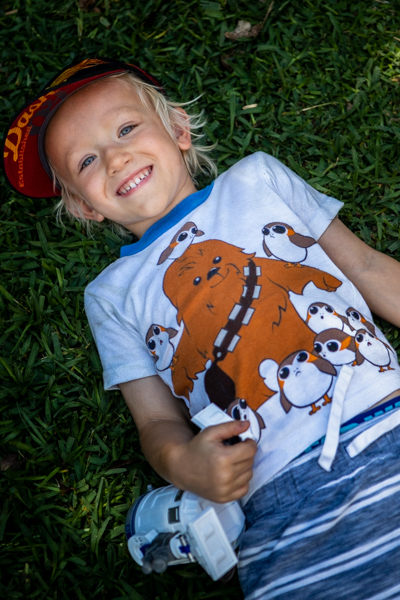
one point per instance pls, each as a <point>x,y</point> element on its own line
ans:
<point>346,342</point>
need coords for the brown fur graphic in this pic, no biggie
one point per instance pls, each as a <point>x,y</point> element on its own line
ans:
<point>206,283</point>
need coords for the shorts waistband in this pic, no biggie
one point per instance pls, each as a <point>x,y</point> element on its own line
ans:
<point>368,415</point>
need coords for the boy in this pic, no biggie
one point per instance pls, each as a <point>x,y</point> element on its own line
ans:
<point>248,290</point>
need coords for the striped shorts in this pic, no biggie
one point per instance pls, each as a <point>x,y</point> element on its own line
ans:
<point>317,535</point>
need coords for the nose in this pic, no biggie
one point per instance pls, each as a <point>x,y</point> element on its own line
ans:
<point>116,160</point>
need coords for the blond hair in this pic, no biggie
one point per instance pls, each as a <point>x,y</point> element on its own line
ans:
<point>196,158</point>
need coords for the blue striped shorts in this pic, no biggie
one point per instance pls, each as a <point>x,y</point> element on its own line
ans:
<point>317,535</point>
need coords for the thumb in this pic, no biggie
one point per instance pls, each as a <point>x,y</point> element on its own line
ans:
<point>224,431</point>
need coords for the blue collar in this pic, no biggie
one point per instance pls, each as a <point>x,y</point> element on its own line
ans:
<point>157,229</point>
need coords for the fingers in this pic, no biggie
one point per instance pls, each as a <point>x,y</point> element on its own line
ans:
<point>233,488</point>
<point>242,450</point>
<point>217,472</point>
<point>224,431</point>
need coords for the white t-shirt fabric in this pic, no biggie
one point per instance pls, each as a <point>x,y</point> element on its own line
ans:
<point>229,297</point>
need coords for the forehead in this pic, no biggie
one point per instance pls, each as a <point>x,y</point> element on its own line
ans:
<point>97,99</point>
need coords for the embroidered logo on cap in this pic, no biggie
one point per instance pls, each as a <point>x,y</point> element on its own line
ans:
<point>85,64</point>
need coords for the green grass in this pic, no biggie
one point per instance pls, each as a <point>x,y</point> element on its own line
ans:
<point>325,77</point>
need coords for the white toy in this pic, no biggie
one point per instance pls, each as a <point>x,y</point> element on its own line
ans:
<point>167,526</point>
<point>213,415</point>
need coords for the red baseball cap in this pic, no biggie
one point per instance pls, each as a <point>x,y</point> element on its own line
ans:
<point>24,160</point>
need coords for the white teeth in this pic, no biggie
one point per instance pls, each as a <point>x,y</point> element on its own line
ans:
<point>134,183</point>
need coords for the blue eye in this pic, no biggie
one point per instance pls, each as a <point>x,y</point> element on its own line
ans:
<point>87,161</point>
<point>126,130</point>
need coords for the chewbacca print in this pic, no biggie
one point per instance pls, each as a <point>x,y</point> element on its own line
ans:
<point>236,313</point>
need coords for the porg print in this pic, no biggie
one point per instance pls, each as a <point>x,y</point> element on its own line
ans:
<point>235,311</point>
<point>335,346</point>
<point>358,321</point>
<point>158,342</point>
<point>321,316</point>
<point>241,411</point>
<point>372,349</point>
<point>181,240</point>
<point>282,242</point>
<point>303,380</point>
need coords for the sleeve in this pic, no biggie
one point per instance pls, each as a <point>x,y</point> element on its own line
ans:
<point>123,355</point>
<point>315,209</point>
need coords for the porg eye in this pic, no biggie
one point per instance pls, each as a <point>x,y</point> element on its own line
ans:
<point>302,356</point>
<point>196,281</point>
<point>182,236</point>
<point>329,309</point>
<point>278,229</point>
<point>156,330</point>
<point>217,259</point>
<point>360,338</point>
<point>332,346</point>
<point>318,347</point>
<point>194,230</point>
<point>313,310</point>
<point>236,413</point>
<point>355,315</point>
<point>265,231</point>
<point>284,373</point>
<point>151,344</point>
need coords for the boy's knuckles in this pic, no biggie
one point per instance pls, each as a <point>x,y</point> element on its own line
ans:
<point>222,463</point>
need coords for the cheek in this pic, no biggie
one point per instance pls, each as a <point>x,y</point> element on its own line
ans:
<point>93,184</point>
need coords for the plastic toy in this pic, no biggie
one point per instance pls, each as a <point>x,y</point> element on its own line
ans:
<point>167,527</point>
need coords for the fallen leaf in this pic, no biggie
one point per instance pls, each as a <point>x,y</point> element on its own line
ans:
<point>64,489</point>
<point>10,462</point>
<point>244,29</point>
<point>249,106</point>
<point>84,4</point>
<point>224,62</point>
<point>97,10</point>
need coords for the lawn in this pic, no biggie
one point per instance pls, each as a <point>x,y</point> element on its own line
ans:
<point>318,87</point>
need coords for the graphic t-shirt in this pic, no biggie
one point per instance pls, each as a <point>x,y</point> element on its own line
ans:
<point>230,299</point>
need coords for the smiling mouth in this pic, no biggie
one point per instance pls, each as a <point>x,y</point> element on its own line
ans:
<point>134,181</point>
<point>221,278</point>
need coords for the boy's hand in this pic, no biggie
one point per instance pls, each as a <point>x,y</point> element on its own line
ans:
<point>207,467</point>
<point>200,463</point>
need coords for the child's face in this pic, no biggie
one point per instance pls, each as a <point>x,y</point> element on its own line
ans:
<point>117,157</point>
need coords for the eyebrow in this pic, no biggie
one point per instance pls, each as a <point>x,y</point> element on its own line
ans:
<point>127,107</point>
<point>185,268</point>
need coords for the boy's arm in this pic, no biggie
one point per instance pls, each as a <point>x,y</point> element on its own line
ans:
<point>198,463</point>
<point>375,275</point>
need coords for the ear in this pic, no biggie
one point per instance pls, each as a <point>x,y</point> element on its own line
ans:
<point>87,211</point>
<point>183,136</point>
